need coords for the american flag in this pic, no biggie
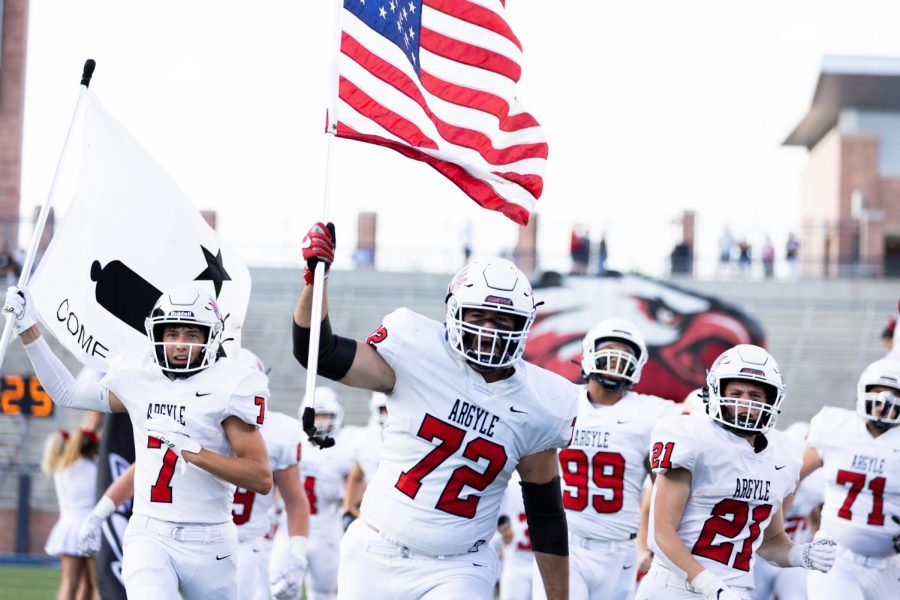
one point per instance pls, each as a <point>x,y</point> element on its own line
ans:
<point>436,81</point>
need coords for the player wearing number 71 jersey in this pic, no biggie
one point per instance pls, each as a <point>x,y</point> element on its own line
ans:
<point>860,456</point>
<point>464,411</point>
<point>195,417</point>
<point>721,480</point>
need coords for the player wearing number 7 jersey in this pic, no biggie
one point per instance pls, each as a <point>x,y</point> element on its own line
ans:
<point>721,480</point>
<point>605,466</point>
<point>860,456</point>
<point>464,411</point>
<point>195,416</point>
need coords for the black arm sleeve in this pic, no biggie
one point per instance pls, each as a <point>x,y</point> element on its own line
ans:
<point>336,353</point>
<point>546,517</point>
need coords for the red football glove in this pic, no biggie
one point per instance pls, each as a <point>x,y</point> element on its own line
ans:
<point>318,245</point>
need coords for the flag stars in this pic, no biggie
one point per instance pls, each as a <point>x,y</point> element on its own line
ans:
<point>406,40</point>
<point>412,56</point>
<point>403,13</point>
<point>412,34</point>
<point>399,26</point>
<point>393,5</point>
<point>412,7</point>
<point>381,12</point>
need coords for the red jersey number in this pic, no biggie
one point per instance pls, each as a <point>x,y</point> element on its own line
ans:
<point>451,439</point>
<point>161,491</point>
<point>243,500</point>
<point>607,470</point>
<point>729,517</point>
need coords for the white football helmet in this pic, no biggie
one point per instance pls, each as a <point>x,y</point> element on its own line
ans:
<point>329,407</point>
<point>186,305</point>
<point>742,415</point>
<point>249,359</point>
<point>497,285</point>
<point>378,409</point>
<point>883,408</point>
<point>613,369</point>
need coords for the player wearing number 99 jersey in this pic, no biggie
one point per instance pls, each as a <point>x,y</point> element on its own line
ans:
<point>195,415</point>
<point>860,456</point>
<point>605,466</point>
<point>464,411</point>
<point>721,480</point>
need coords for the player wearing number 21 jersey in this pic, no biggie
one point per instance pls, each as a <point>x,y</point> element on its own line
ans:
<point>721,480</point>
<point>464,411</point>
<point>605,466</point>
<point>860,457</point>
<point>195,417</point>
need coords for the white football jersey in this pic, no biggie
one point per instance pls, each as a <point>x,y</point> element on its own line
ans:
<point>735,491</point>
<point>604,468</point>
<point>250,511</point>
<point>323,473</point>
<point>862,480</point>
<point>513,508</point>
<point>200,403</point>
<point>452,440</point>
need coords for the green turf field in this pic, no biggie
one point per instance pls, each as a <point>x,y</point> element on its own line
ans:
<point>28,583</point>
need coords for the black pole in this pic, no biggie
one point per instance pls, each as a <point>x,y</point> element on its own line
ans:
<point>88,72</point>
<point>23,513</point>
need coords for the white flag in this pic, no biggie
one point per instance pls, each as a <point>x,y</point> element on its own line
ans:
<point>128,235</point>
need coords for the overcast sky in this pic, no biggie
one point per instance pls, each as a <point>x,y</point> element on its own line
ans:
<point>650,107</point>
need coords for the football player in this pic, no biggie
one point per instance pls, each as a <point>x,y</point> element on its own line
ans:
<point>195,416</point>
<point>721,479</point>
<point>860,456</point>
<point>605,466</point>
<point>464,411</point>
<point>324,474</point>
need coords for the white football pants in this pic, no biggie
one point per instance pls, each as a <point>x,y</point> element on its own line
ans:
<point>253,569</point>
<point>662,584</point>
<point>374,568</point>
<point>598,570</point>
<point>162,558</point>
<point>778,582</point>
<point>515,574</point>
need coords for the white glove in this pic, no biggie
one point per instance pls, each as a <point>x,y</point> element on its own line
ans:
<point>90,535</point>
<point>289,578</point>
<point>712,587</point>
<point>171,433</point>
<point>818,555</point>
<point>20,304</point>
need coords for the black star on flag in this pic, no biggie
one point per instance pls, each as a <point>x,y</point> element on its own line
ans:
<point>215,270</point>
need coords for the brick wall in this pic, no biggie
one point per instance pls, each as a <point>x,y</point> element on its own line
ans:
<point>12,95</point>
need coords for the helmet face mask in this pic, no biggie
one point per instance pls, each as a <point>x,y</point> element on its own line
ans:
<point>878,394</point>
<point>745,390</point>
<point>613,353</point>
<point>494,291</point>
<point>171,324</point>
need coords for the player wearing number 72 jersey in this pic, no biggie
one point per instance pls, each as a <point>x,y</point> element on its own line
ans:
<point>464,411</point>
<point>721,480</point>
<point>195,417</point>
<point>860,456</point>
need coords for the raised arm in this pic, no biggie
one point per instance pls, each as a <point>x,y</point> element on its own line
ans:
<point>56,379</point>
<point>351,362</point>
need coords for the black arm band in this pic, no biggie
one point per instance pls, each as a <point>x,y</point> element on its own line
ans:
<point>546,517</point>
<point>336,353</point>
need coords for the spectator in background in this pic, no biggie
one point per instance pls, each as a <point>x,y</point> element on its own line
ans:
<point>602,255</point>
<point>768,258</point>
<point>6,266</point>
<point>726,246</point>
<point>580,250</point>
<point>887,334</point>
<point>744,257</point>
<point>466,236</point>
<point>74,472</point>
<point>792,248</point>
